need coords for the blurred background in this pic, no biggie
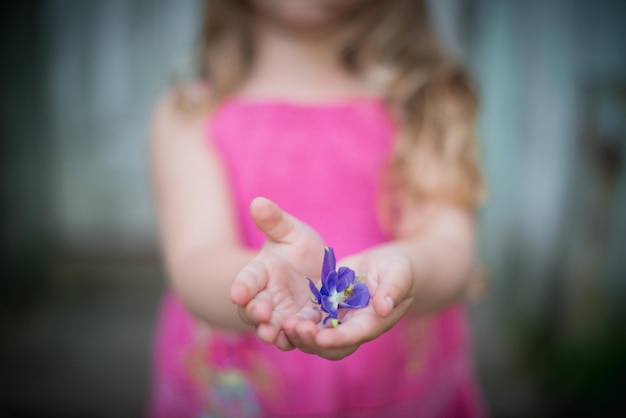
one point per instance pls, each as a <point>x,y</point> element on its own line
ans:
<point>80,276</point>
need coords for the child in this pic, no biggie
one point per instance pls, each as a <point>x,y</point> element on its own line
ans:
<point>357,129</point>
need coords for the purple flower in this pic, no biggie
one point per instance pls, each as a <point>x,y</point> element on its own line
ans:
<point>340,289</point>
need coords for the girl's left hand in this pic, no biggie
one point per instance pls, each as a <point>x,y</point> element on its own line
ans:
<point>390,280</point>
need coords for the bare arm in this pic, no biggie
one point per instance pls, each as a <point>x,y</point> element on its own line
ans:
<point>198,231</point>
<point>201,243</point>
<point>439,242</point>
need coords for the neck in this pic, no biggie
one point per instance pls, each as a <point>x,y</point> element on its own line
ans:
<point>298,66</point>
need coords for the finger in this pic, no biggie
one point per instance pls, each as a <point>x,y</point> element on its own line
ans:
<point>244,318</point>
<point>303,335</point>
<point>297,341</point>
<point>384,303</point>
<point>283,343</point>
<point>337,354</point>
<point>276,224</point>
<point>302,327</point>
<point>289,328</point>
<point>346,334</point>
<point>394,287</point>
<point>260,308</point>
<point>251,280</point>
<point>308,315</point>
<point>360,328</point>
<point>310,344</point>
<point>268,332</point>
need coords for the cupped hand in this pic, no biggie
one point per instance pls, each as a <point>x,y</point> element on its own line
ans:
<point>273,286</point>
<point>389,278</point>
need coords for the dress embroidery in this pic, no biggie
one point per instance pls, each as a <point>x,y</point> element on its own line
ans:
<point>230,377</point>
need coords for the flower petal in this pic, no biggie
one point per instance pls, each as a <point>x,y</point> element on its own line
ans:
<point>324,291</point>
<point>329,306</point>
<point>359,298</point>
<point>329,263</point>
<point>331,282</point>
<point>315,291</point>
<point>345,277</point>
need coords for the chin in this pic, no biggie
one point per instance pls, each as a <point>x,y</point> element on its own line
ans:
<point>305,15</point>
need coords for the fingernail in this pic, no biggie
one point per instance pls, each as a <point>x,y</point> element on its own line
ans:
<point>389,302</point>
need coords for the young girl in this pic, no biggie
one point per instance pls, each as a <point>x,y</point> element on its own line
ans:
<point>357,129</point>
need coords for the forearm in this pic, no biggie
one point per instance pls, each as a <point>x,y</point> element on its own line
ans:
<point>202,280</point>
<point>440,271</point>
<point>428,266</point>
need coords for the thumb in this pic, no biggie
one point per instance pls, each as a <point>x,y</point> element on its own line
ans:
<point>394,288</point>
<point>275,223</point>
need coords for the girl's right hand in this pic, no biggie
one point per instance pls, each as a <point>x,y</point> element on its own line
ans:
<point>272,287</point>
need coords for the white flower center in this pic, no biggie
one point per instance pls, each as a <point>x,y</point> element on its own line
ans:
<point>335,298</point>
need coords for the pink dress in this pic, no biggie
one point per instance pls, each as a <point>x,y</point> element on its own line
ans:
<point>322,163</point>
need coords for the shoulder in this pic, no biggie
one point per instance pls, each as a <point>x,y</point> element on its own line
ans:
<point>180,112</point>
<point>178,134</point>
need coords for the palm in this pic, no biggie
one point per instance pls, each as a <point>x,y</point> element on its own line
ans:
<point>286,286</point>
<point>357,325</point>
<point>271,288</point>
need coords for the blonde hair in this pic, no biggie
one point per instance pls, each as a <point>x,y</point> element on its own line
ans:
<point>427,92</point>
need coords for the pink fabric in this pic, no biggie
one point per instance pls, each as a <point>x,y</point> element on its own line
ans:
<point>323,163</point>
